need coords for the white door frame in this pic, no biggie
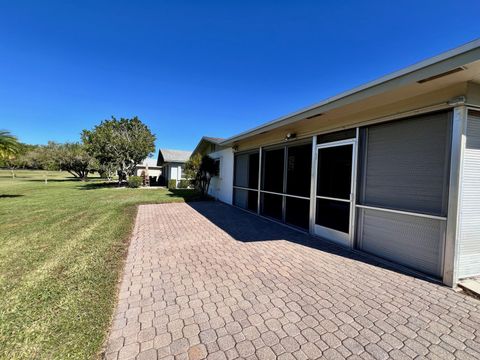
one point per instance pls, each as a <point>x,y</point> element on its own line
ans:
<point>333,235</point>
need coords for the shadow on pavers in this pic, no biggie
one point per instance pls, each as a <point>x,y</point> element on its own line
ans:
<point>246,227</point>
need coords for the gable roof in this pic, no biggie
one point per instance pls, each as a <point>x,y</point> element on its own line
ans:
<point>169,155</point>
<point>215,140</point>
<point>207,140</point>
<point>151,162</point>
<point>451,63</point>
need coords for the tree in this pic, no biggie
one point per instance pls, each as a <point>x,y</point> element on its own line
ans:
<point>192,167</point>
<point>200,170</point>
<point>47,157</point>
<point>18,160</point>
<point>8,144</point>
<point>122,143</point>
<point>73,157</point>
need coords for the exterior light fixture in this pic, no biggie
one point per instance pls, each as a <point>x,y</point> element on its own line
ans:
<point>290,136</point>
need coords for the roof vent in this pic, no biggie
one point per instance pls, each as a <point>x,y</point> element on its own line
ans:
<point>453,71</point>
<point>314,116</point>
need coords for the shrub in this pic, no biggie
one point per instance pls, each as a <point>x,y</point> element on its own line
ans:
<point>134,181</point>
<point>172,184</point>
<point>183,184</point>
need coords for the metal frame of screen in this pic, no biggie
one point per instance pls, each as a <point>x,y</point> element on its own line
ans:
<point>283,194</point>
<point>335,235</point>
<point>450,218</point>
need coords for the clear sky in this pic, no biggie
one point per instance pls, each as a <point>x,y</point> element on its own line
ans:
<point>193,68</point>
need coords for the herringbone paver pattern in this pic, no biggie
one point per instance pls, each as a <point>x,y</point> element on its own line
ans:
<point>209,281</point>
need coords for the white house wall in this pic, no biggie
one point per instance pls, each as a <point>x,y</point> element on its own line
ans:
<point>151,172</point>
<point>221,187</point>
<point>174,171</point>
<point>469,219</point>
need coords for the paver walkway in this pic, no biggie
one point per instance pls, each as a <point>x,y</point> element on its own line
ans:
<point>208,280</point>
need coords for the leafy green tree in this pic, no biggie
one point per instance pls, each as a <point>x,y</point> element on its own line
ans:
<point>47,157</point>
<point>192,167</point>
<point>18,160</point>
<point>30,157</point>
<point>73,157</point>
<point>121,143</point>
<point>200,170</point>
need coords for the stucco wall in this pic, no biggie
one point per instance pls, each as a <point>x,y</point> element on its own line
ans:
<point>221,186</point>
<point>174,171</point>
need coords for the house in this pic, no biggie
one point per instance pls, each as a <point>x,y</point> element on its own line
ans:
<point>220,184</point>
<point>173,164</point>
<point>390,168</point>
<point>150,166</point>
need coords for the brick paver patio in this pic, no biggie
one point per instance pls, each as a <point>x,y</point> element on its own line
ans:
<point>205,280</point>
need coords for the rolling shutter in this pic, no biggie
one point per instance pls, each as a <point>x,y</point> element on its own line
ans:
<point>405,169</point>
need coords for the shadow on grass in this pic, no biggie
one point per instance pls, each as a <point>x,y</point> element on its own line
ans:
<point>8,196</point>
<point>98,185</point>
<point>50,180</point>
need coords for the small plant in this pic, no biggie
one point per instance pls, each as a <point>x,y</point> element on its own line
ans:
<point>134,182</point>
<point>183,184</point>
<point>172,184</point>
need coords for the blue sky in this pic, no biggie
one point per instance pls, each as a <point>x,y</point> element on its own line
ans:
<point>193,68</point>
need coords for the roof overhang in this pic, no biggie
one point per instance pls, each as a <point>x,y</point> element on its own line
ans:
<point>205,140</point>
<point>460,65</point>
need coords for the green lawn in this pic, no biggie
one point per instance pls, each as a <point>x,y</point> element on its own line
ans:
<point>62,246</point>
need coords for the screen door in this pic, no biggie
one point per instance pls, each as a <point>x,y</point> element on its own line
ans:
<point>334,191</point>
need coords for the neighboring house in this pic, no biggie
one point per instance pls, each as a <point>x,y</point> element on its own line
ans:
<point>153,169</point>
<point>220,184</point>
<point>173,164</point>
<point>391,168</point>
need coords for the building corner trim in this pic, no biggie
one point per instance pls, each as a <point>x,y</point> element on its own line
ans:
<point>450,275</point>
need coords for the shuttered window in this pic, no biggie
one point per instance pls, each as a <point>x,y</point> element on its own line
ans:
<point>406,164</point>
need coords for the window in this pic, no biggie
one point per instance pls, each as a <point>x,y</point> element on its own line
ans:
<point>245,192</point>
<point>216,172</point>
<point>406,164</point>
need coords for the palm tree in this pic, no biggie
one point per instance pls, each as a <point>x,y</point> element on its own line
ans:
<point>8,144</point>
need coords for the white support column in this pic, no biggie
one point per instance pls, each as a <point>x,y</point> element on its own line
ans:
<point>450,276</point>
<point>353,195</point>
<point>313,189</point>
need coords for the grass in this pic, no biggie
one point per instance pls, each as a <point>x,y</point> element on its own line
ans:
<point>62,246</point>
